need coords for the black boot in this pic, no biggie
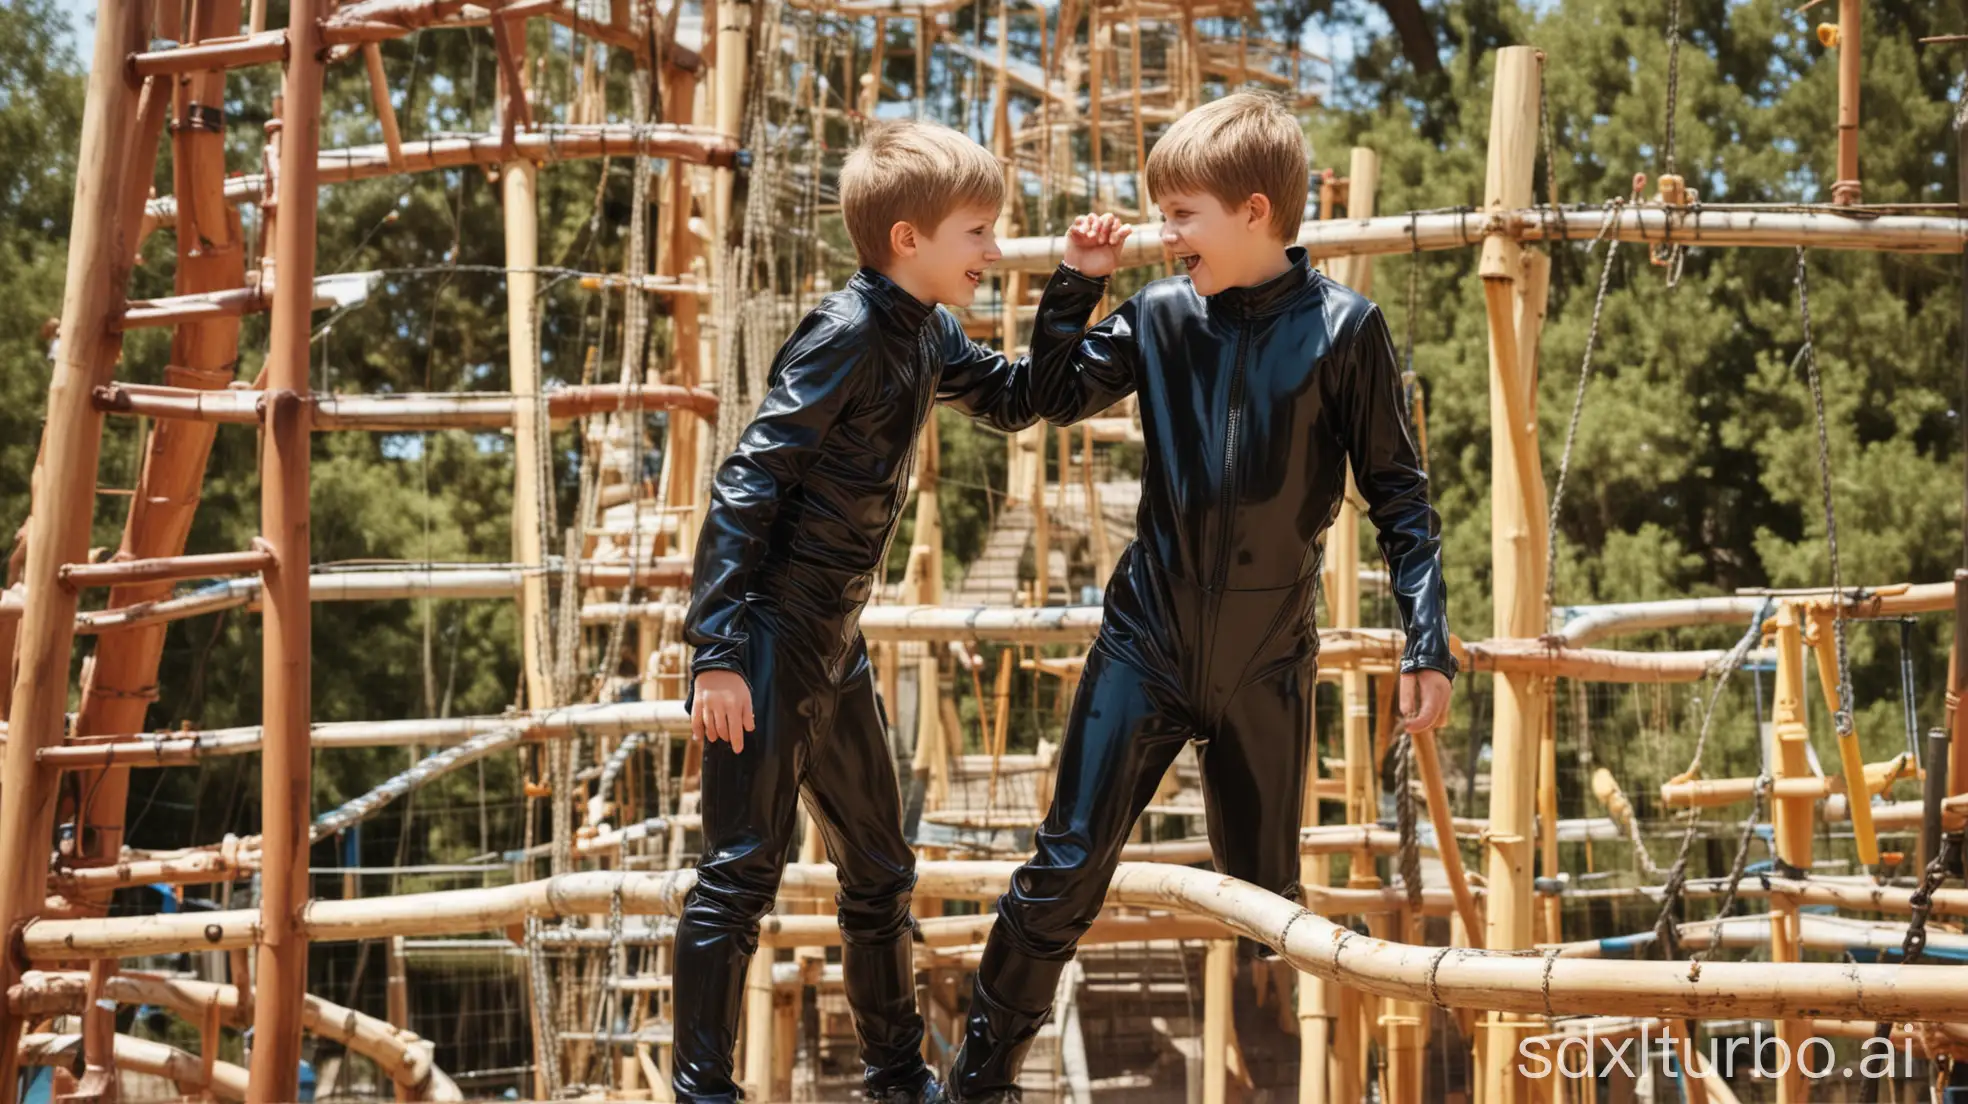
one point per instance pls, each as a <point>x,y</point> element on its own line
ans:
<point>880,978</point>
<point>1011,1001</point>
<point>709,983</point>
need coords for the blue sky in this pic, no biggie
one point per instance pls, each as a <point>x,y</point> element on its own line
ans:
<point>82,16</point>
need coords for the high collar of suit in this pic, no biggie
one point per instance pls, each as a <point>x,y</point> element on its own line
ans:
<point>1272,295</point>
<point>897,310</point>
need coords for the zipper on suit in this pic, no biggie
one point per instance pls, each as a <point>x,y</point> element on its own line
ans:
<point>1228,494</point>
<point>1226,500</point>
<point>924,353</point>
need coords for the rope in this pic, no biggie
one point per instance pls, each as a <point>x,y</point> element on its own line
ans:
<point>1404,823</point>
<point>1578,400</point>
<point>1842,719</point>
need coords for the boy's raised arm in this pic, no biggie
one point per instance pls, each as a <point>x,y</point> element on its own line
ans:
<point>812,384</point>
<point>1070,373</point>
<point>1373,422</point>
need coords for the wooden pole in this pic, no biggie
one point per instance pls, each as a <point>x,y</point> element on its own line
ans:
<point>397,998</point>
<point>1134,78</point>
<point>286,695</point>
<point>1550,911</point>
<point>1096,88</point>
<point>1517,542</point>
<point>929,515</point>
<point>1822,639</point>
<point>1846,189</point>
<point>1219,970</point>
<point>372,59</point>
<point>117,686</point>
<point>734,21</point>
<point>1957,717</point>
<point>1791,820</point>
<point>758,1024</point>
<point>100,253</point>
<point>518,182</point>
<point>1315,994</point>
<point>1428,763</point>
<point>690,444</point>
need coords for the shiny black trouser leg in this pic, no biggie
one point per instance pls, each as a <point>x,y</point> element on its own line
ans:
<point>1126,728</point>
<point>824,742</point>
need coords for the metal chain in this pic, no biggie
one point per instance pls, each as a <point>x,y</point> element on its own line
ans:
<point>1671,254</point>
<point>1673,79</point>
<point>545,1031</point>
<point>1550,153</point>
<point>605,991</point>
<point>1915,944</point>
<point>1677,875</point>
<point>1736,872</point>
<point>1842,719</point>
<point>1578,400</point>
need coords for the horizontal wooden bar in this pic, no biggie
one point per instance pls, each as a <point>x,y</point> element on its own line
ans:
<point>1448,976</point>
<point>1818,228</point>
<point>454,581</point>
<point>658,285</point>
<point>214,53</point>
<point>128,572</point>
<point>698,145</point>
<point>402,413</point>
<point>177,310</point>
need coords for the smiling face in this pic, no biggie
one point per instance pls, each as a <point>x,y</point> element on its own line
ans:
<point>1220,246</point>
<point>946,265</point>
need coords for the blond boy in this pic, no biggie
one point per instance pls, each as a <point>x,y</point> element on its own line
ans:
<point>793,544</point>
<point>1259,381</point>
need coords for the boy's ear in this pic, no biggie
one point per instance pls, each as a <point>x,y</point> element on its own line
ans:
<point>902,239</point>
<point>1260,211</point>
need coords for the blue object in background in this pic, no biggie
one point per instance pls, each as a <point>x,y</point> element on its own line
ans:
<point>307,1082</point>
<point>40,1085</point>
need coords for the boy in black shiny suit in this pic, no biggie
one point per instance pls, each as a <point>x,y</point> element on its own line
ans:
<point>794,541</point>
<point>1259,380</point>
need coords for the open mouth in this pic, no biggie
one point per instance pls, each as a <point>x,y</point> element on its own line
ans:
<point>974,275</point>
<point>1190,260</point>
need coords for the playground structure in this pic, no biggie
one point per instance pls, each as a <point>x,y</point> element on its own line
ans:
<point>752,89</point>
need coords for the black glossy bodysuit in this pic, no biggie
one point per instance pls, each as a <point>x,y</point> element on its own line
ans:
<point>1253,401</point>
<point>794,541</point>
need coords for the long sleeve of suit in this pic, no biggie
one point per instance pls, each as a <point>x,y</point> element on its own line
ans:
<point>1373,421</point>
<point>812,386</point>
<point>1008,393</point>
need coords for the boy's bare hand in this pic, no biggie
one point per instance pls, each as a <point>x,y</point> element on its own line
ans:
<point>1093,244</point>
<point>721,709</point>
<point>1424,700</point>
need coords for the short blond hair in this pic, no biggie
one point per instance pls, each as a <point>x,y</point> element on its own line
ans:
<point>913,172</point>
<point>1233,148</point>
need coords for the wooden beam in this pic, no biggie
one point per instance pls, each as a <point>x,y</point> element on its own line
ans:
<point>286,661</point>
<point>1792,821</point>
<point>113,162</point>
<point>519,182</point>
<point>1517,544</point>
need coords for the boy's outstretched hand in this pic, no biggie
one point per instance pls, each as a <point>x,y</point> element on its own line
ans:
<point>722,708</point>
<point>1424,700</point>
<point>1093,244</point>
